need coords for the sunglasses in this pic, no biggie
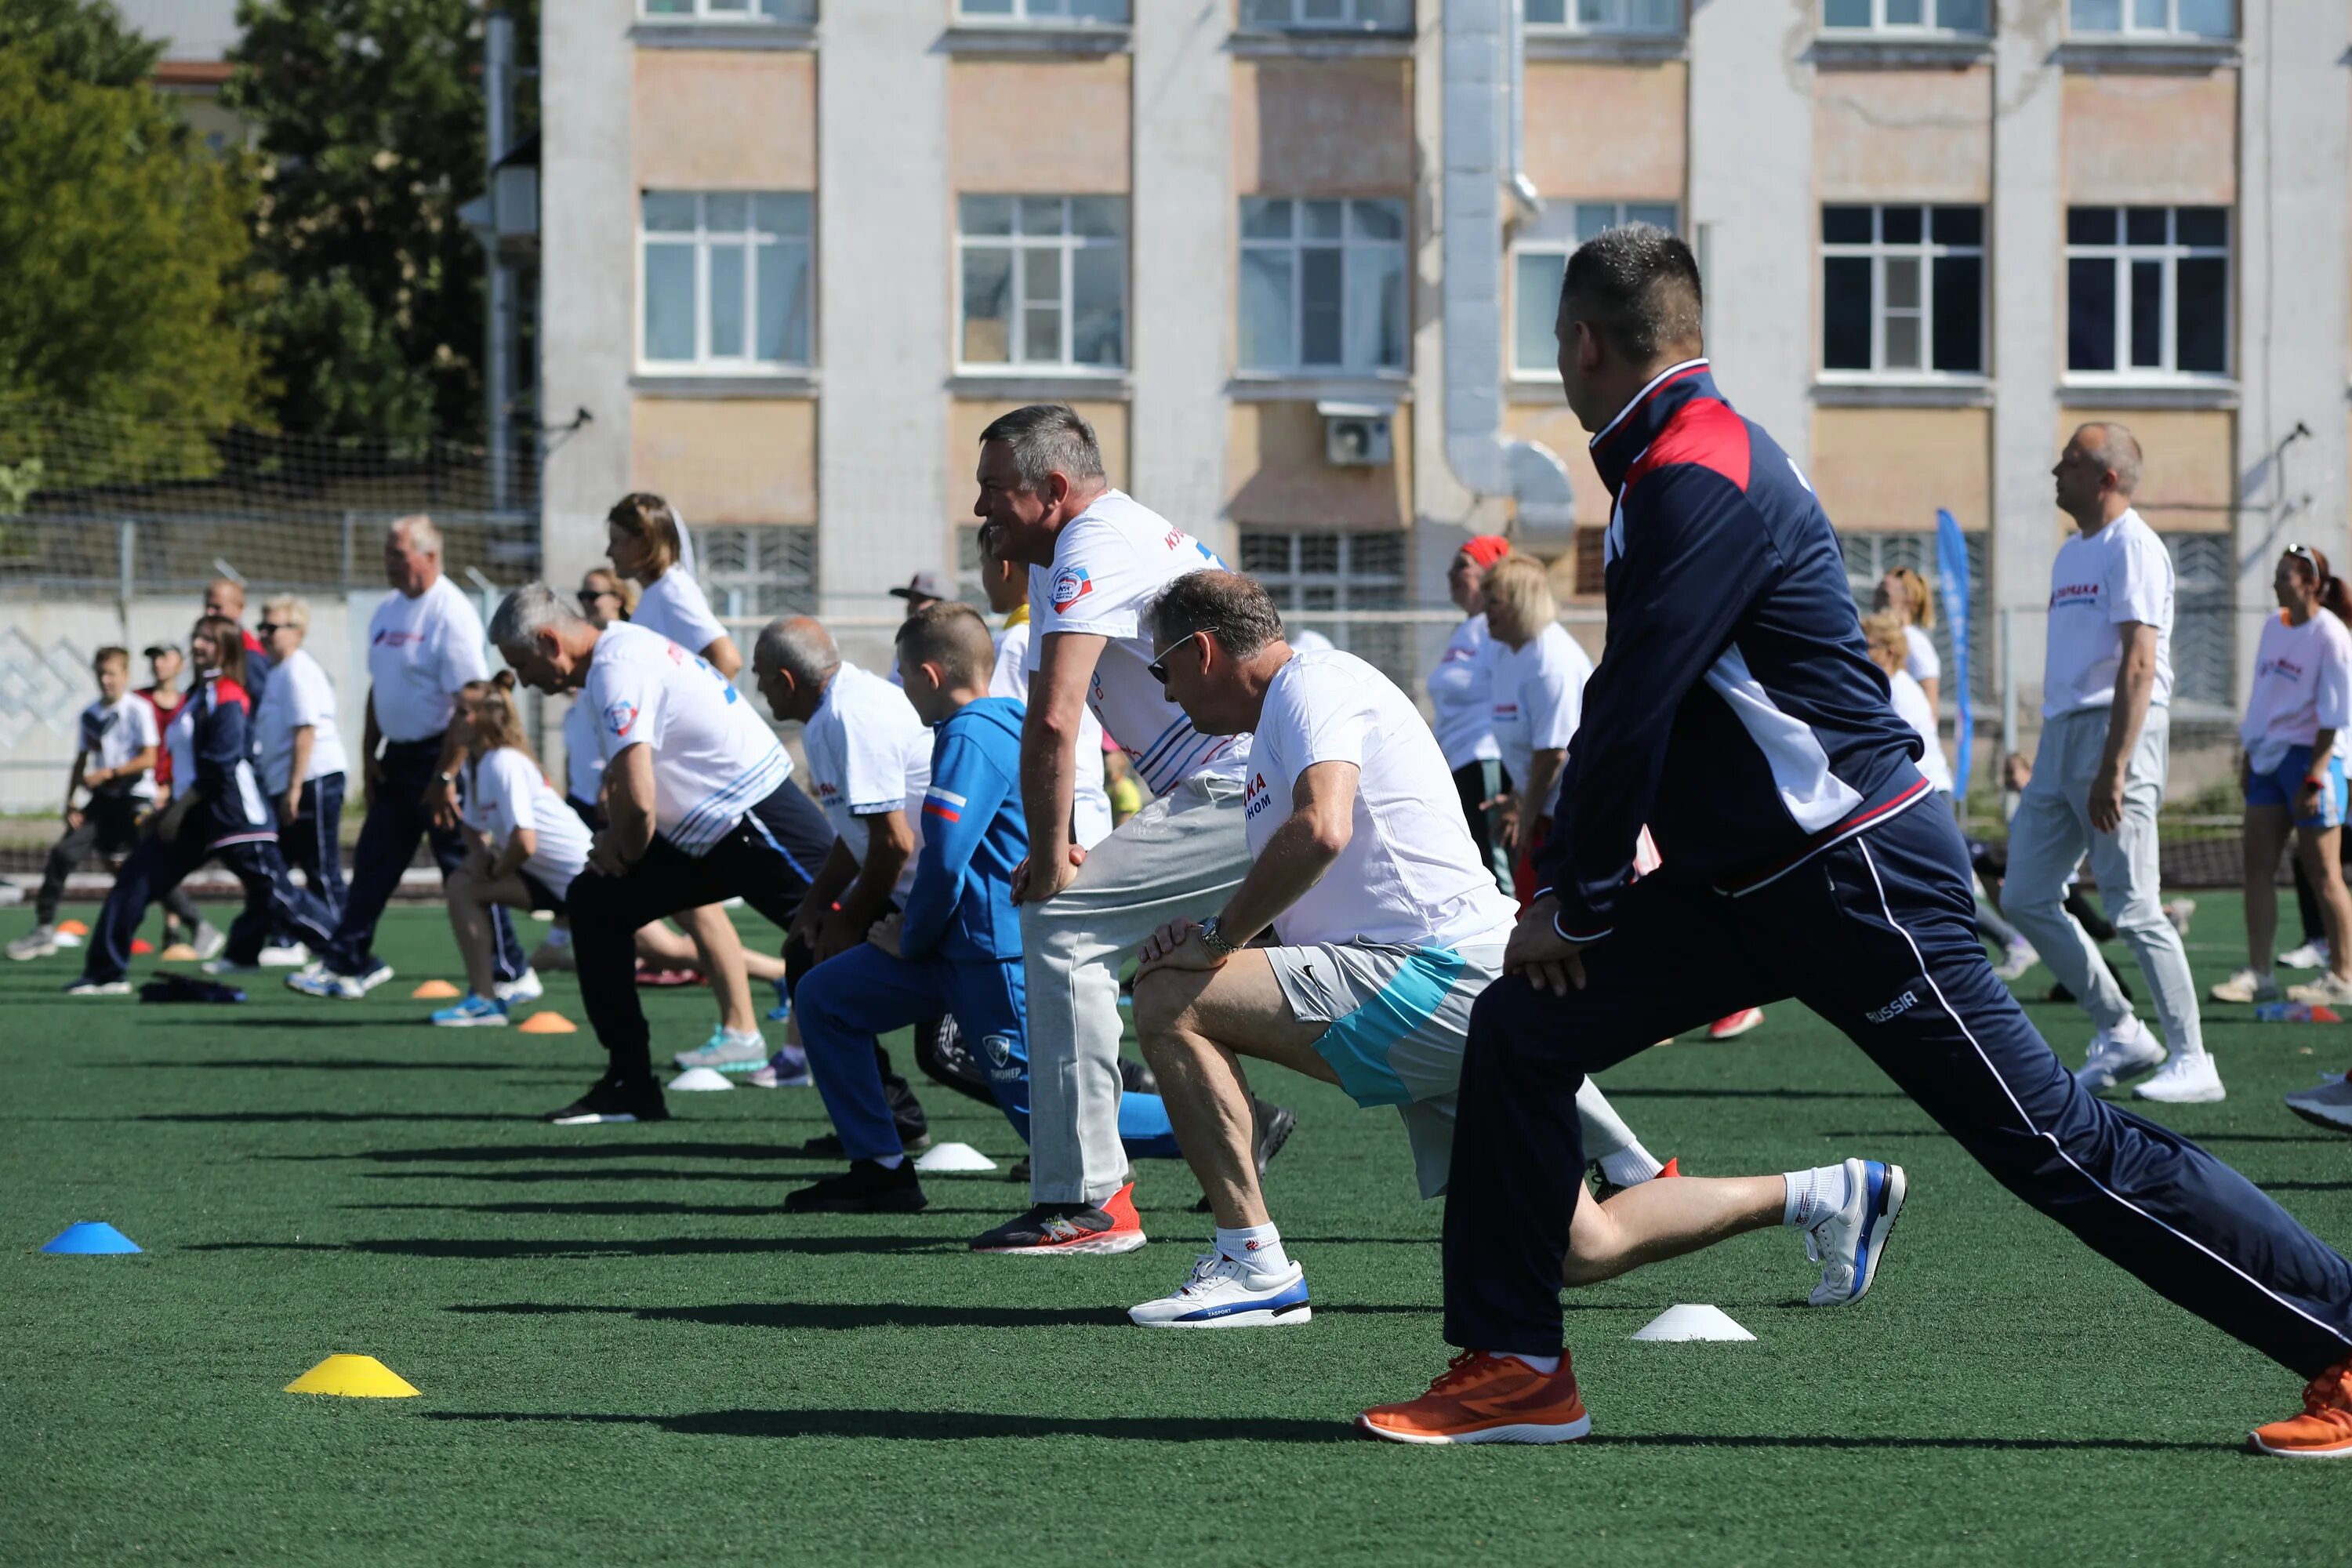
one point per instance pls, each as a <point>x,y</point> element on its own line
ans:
<point>588,596</point>
<point>2304,552</point>
<point>1158,667</point>
<point>265,628</point>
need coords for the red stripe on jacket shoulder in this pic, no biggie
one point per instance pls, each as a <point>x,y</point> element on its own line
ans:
<point>227,690</point>
<point>1705,432</point>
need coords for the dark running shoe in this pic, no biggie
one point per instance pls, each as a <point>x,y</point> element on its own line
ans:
<point>611,1099</point>
<point>827,1145</point>
<point>1272,1126</point>
<point>866,1187</point>
<point>1069,1228</point>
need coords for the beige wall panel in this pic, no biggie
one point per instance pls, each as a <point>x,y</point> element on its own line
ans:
<point>751,459</point>
<point>731,119</point>
<point>2187,461</point>
<point>1279,478</point>
<point>966,420</point>
<point>1886,470</point>
<point>1323,128</point>
<point>1904,135</point>
<point>2152,139</point>
<point>998,140</point>
<point>1635,113</point>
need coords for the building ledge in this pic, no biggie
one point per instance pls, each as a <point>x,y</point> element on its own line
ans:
<point>1875,392</point>
<point>1276,386</point>
<point>2146,56</point>
<point>688,383</point>
<point>1622,49</point>
<point>1041,385</point>
<point>1022,40</point>
<point>689,33</point>
<point>2147,394</point>
<point>1521,390</point>
<point>1317,45</point>
<point>1896,51</point>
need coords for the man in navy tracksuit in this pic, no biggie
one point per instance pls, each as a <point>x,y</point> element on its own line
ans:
<point>1736,713</point>
<point>956,947</point>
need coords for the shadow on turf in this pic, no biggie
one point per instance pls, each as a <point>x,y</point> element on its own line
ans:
<point>605,1149</point>
<point>344,1064</point>
<point>884,1315</point>
<point>651,1247</point>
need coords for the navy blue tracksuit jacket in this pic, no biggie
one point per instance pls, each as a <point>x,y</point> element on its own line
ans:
<point>1734,711</point>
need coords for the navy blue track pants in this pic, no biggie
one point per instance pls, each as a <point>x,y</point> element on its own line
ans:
<point>155,868</point>
<point>1877,935</point>
<point>396,819</point>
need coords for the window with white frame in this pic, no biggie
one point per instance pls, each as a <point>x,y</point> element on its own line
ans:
<point>727,279</point>
<point>2148,291</point>
<point>1049,13</point>
<point>792,11</point>
<point>1314,576</point>
<point>1323,284</point>
<point>1043,280</point>
<point>757,571</point>
<point>2153,18</point>
<point>1663,16</point>
<point>1902,290</point>
<point>1539,260</point>
<point>1961,17</point>
<point>1328,15</point>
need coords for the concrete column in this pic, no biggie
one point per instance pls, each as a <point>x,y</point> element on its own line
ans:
<point>2029,335</point>
<point>587,275</point>
<point>1183,225</point>
<point>885,290</point>
<point>1754,208</point>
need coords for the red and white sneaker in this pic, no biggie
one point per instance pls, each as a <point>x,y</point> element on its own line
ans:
<point>2324,1430</point>
<point>1485,1398</point>
<point>1736,1025</point>
<point>1069,1227</point>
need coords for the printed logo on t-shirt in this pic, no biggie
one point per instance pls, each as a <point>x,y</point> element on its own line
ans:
<point>390,638</point>
<point>1507,711</point>
<point>827,792</point>
<point>2067,594</point>
<point>1255,798</point>
<point>621,718</point>
<point>1071,584</point>
<point>2281,666</point>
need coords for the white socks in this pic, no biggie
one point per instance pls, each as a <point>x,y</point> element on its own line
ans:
<point>1543,1364</point>
<point>1608,1140</point>
<point>890,1162</point>
<point>1258,1246</point>
<point>1813,1195</point>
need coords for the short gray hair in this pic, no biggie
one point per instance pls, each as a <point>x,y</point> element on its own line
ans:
<point>2114,448</point>
<point>424,535</point>
<point>799,646</point>
<point>527,611</point>
<point>1047,438</point>
<point>1229,607</point>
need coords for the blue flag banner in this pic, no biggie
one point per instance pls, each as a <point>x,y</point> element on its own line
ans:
<point>1952,581</point>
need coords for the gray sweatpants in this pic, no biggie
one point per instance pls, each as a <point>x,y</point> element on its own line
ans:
<point>1178,858</point>
<point>2048,835</point>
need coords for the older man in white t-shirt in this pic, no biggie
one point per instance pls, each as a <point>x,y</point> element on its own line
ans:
<point>2098,774</point>
<point>1006,583</point>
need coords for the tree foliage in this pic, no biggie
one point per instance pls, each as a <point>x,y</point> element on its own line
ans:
<point>79,40</point>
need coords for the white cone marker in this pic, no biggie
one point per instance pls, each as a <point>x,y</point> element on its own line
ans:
<point>1686,1321</point>
<point>694,1078</point>
<point>953,1159</point>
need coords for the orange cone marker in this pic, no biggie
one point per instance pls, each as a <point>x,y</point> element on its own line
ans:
<point>434,990</point>
<point>548,1024</point>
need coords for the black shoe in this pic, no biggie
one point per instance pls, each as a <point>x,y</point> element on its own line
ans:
<point>1136,1078</point>
<point>1019,1171</point>
<point>1272,1126</point>
<point>866,1187</point>
<point>612,1099</point>
<point>827,1145</point>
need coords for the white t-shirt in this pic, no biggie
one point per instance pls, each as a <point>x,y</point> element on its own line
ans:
<point>298,693</point>
<point>420,651</point>
<point>1538,698</point>
<point>584,764</point>
<point>2120,574</point>
<point>673,606</point>
<point>1911,706</point>
<point>2303,684</point>
<point>1089,802</point>
<point>1410,873</point>
<point>1112,560</point>
<point>1924,663</point>
<point>509,792</point>
<point>113,733</point>
<point>868,751</point>
<point>713,758</point>
<point>1461,694</point>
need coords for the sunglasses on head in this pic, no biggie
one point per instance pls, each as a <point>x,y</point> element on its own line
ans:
<point>1158,667</point>
<point>2304,552</point>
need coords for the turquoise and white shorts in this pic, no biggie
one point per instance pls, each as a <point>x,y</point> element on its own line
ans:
<point>1399,1019</point>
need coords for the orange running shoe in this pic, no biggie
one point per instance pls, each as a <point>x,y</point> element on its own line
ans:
<point>2324,1430</point>
<point>1485,1398</point>
<point>1732,1025</point>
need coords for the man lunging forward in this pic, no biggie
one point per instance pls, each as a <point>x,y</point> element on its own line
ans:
<point>1391,925</point>
<point>1737,713</point>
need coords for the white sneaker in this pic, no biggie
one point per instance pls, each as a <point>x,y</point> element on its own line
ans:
<point>2180,911</point>
<point>2310,955</point>
<point>523,987</point>
<point>2020,958</point>
<point>2326,991</point>
<point>38,942</point>
<point>318,980</point>
<point>1225,1293</point>
<point>293,957</point>
<point>1850,1244</point>
<point>2186,1079</point>
<point>227,966</point>
<point>99,988</point>
<point>726,1054</point>
<point>2118,1053</point>
<point>210,941</point>
<point>2247,986</point>
<point>2326,1104</point>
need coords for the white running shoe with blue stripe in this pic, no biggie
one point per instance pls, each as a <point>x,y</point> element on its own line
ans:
<point>1224,1293</point>
<point>1850,1244</point>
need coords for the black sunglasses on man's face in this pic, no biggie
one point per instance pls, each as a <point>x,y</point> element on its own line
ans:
<point>1158,667</point>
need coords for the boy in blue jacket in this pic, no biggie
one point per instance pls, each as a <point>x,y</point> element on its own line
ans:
<point>956,947</point>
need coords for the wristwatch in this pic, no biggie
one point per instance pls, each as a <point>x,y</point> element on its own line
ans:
<point>1214,939</point>
<point>448,778</point>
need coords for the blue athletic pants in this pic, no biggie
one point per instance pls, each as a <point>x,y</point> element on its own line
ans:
<point>312,843</point>
<point>396,819</point>
<point>155,868</point>
<point>1878,935</point>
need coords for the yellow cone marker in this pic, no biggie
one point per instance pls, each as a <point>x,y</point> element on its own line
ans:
<point>434,990</point>
<point>548,1024</point>
<point>354,1377</point>
<point>178,952</point>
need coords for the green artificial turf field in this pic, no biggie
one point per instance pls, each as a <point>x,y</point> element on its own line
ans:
<point>627,1353</point>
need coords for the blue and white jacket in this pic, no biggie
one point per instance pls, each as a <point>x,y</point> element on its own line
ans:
<point>960,906</point>
<point>210,742</point>
<point>1735,710</point>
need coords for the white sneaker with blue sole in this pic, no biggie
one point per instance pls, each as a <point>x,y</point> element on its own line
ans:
<point>317,980</point>
<point>1225,1293</point>
<point>726,1053</point>
<point>1850,1244</point>
<point>473,1012</point>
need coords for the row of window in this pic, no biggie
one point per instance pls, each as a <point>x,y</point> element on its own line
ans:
<point>1041,283</point>
<point>2097,18</point>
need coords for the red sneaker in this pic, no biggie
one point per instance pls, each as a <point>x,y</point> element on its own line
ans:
<point>1070,1228</point>
<point>1736,1025</point>
<point>2324,1430</point>
<point>1485,1398</point>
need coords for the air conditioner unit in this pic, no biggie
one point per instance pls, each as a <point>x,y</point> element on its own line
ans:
<point>1358,435</point>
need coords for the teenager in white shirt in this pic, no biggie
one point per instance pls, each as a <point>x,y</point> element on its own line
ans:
<point>1461,700</point>
<point>302,763</point>
<point>527,845</point>
<point>2293,771</point>
<point>2099,774</point>
<point>1905,592</point>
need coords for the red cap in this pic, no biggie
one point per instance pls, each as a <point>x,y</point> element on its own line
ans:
<point>1485,549</point>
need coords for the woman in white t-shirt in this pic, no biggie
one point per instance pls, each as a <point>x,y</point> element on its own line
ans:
<point>1905,592</point>
<point>2293,769</point>
<point>1537,696</point>
<point>1462,702</point>
<point>1888,649</point>
<point>525,844</point>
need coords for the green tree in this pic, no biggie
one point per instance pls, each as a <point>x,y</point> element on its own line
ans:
<point>82,40</point>
<point>372,130</point>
